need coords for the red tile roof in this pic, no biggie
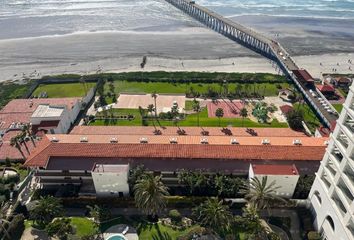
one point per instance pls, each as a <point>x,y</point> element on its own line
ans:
<point>47,149</point>
<point>6,119</point>
<point>20,110</point>
<point>8,151</point>
<point>187,139</point>
<point>325,88</point>
<point>264,169</point>
<point>30,105</point>
<point>195,131</point>
<point>303,75</point>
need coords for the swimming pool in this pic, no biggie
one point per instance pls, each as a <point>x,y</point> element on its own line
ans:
<point>117,237</point>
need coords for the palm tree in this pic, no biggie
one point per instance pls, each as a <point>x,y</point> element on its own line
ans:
<point>219,113</point>
<point>149,195</point>
<point>46,210</point>
<point>3,219</point>
<point>27,129</point>
<point>151,109</point>
<point>262,195</point>
<point>83,83</point>
<point>99,214</point>
<point>243,114</point>
<point>22,139</point>
<point>196,108</point>
<point>213,214</point>
<point>15,142</point>
<point>252,223</point>
<point>154,96</point>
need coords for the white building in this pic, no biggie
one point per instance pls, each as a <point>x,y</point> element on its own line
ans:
<point>57,117</point>
<point>111,179</point>
<point>332,194</point>
<point>285,177</point>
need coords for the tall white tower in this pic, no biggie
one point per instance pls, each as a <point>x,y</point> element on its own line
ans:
<point>332,194</point>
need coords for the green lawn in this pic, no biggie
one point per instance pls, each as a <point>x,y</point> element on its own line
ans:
<point>268,89</point>
<point>9,91</point>
<point>309,116</point>
<point>83,226</point>
<point>191,120</point>
<point>338,107</point>
<point>58,90</point>
<point>28,223</point>
<point>188,105</point>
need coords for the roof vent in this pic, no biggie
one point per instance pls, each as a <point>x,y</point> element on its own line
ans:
<point>297,142</point>
<point>173,140</point>
<point>265,141</point>
<point>83,139</point>
<point>54,139</point>
<point>204,141</point>
<point>234,141</point>
<point>143,140</point>
<point>114,140</point>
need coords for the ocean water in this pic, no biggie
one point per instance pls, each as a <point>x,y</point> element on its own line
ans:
<point>32,18</point>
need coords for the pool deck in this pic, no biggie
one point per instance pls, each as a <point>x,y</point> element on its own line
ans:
<point>118,229</point>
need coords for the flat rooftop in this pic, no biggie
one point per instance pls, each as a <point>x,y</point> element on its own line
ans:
<point>47,111</point>
<point>111,168</point>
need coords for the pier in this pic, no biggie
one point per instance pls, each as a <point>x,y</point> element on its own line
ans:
<point>266,47</point>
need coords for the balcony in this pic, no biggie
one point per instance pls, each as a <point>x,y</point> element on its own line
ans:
<point>325,180</point>
<point>340,206</point>
<point>346,192</point>
<point>343,139</point>
<point>331,168</point>
<point>350,227</point>
<point>349,123</point>
<point>336,153</point>
<point>349,173</point>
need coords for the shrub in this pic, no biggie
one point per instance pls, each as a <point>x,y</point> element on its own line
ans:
<point>60,227</point>
<point>175,216</point>
<point>295,119</point>
<point>313,236</point>
<point>273,236</point>
<point>16,226</point>
<point>12,179</point>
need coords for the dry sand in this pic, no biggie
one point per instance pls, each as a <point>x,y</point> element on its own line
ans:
<point>187,49</point>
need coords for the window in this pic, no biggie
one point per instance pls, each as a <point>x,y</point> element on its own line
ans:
<point>331,167</point>
<point>330,221</point>
<point>318,196</point>
<point>325,180</point>
<point>350,227</point>
<point>346,192</point>
<point>349,173</point>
